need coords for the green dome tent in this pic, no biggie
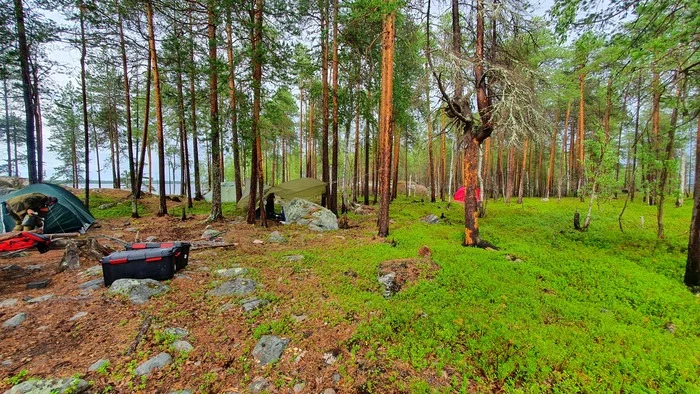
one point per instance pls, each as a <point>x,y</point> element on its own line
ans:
<point>304,188</point>
<point>68,215</point>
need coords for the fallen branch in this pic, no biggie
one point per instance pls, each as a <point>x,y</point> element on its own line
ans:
<point>211,246</point>
<point>139,337</point>
<point>117,240</point>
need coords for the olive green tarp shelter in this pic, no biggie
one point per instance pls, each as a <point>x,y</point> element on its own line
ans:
<point>228,192</point>
<point>304,188</point>
<point>69,214</point>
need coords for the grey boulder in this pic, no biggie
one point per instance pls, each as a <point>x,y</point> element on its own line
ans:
<point>138,290</point>
<point>15,320</point>
<point>252,304</point>
<point>154,363</point>
<point>50,386</point>
<point>269,349</point>
<point>306,213</point>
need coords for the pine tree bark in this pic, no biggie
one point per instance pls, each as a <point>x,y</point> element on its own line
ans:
<point>83,85</point>
<point>552,155</point>
<point>581,135</point>
<point>162,206</point>
<point>443,156</point>
<point>692,266</point>
<point>39,125</point>
<point>562,164</point>
<point>301,130</point>
<point>216,212</point>
<point>234,109</point>
<point>144,138</point>
<point>129,131</point>
<point>325,174</point>
<point>256,180</point>
<point>395,167</point>
<point>333,196</point>
<point>356,169</point>
<point>668,156</point>
<point>182,125</point>
<point>193,118</point>
<point>7,122</point>
<point>523,171</point>
<point>431,174</point>
<point>385,121</point>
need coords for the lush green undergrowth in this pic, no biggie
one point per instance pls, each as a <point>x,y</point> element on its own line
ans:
<point>595,311</point>
<point>554,310</point>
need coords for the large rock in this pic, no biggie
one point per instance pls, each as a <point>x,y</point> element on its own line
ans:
<point>154,363</point>
<point>235,287</point>
<point>306,213</point>
<point>182,346</point>
<point>252,304</point>
<point>50,386</point>
<point>15,320</point>
<point>258,385</point>
<point>138,290</point>
<point>269,349</point>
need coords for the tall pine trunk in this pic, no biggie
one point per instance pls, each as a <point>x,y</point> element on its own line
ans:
<point>129,132</point>
<point>193,117</point>
<point>692,266</point>
<point>216,212</point>
<point>333,197</point>
<point>162,206</point>
<point>7,123</point>
<point>234,109</point>
<point>385,121</point>
<point>83,86</point>
<point>325,173</point>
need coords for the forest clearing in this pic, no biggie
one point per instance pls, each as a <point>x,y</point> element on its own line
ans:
<point>555,310</point>
<point>357,196</point>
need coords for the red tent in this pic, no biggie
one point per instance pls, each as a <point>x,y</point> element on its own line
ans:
<point>459,194</point>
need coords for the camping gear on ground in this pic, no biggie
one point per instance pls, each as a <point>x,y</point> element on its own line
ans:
<point>460,193</point>
<point>154,263</point>
<point>67,215</point>
<point>28,210</point>
<point>304,188</point>
<point>25,240</point>
<point>182,250</point>
<point>228,192</point>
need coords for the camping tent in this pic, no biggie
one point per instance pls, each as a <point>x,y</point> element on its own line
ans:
<point>304,188</point>
<point>228,192</point>
<point>68,215</point>
<point>460,193</point>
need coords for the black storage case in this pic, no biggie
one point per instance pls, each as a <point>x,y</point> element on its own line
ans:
<point>181,255</point>
<point>155,263</point>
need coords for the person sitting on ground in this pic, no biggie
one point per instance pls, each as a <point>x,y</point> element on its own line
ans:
<point>28,210</point>
<point>270,209</point>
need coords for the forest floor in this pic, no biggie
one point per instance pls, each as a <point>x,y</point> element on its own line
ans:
<point>554,310</point>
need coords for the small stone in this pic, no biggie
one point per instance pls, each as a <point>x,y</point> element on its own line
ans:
<point>269,349</point>
<point>231,272</point>
<point>106,206</point>
<point>15,320</point>
<point>431,219</point>
<point>329,391</point>
<point>276,237</point>
<point>58,386</point>
<point>388,281</point>
<point>152,238</point>
<point>8,302</point>
<point>299,318</point>
<point>181,392</point>
<point>131,229</point>
<point>92,271</point>
<point>259,384</point>
<point>299,357</point>
<point>177,332</point>
<point>99,364</point>
<point>294,257</point>
<point>39,299</point>
<point>210,234</point>
<point>252,304</point>
<point>12,268</point>
<point>40,284</point>
<point>182,346</point>
<point>258,242</point>
<point>299,387</point>
<point>235,287</point>
<point>35,267</point>
<point>6,363</point>
<point>670,327</point>
<point>226,307</point>
<point>78,315</point>
<point>336,378</point>
<point>331,357</point>
<point>154,363</point>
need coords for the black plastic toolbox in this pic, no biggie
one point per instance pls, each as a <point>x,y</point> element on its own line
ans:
<point>181,255</point>
<point>155,263</point>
